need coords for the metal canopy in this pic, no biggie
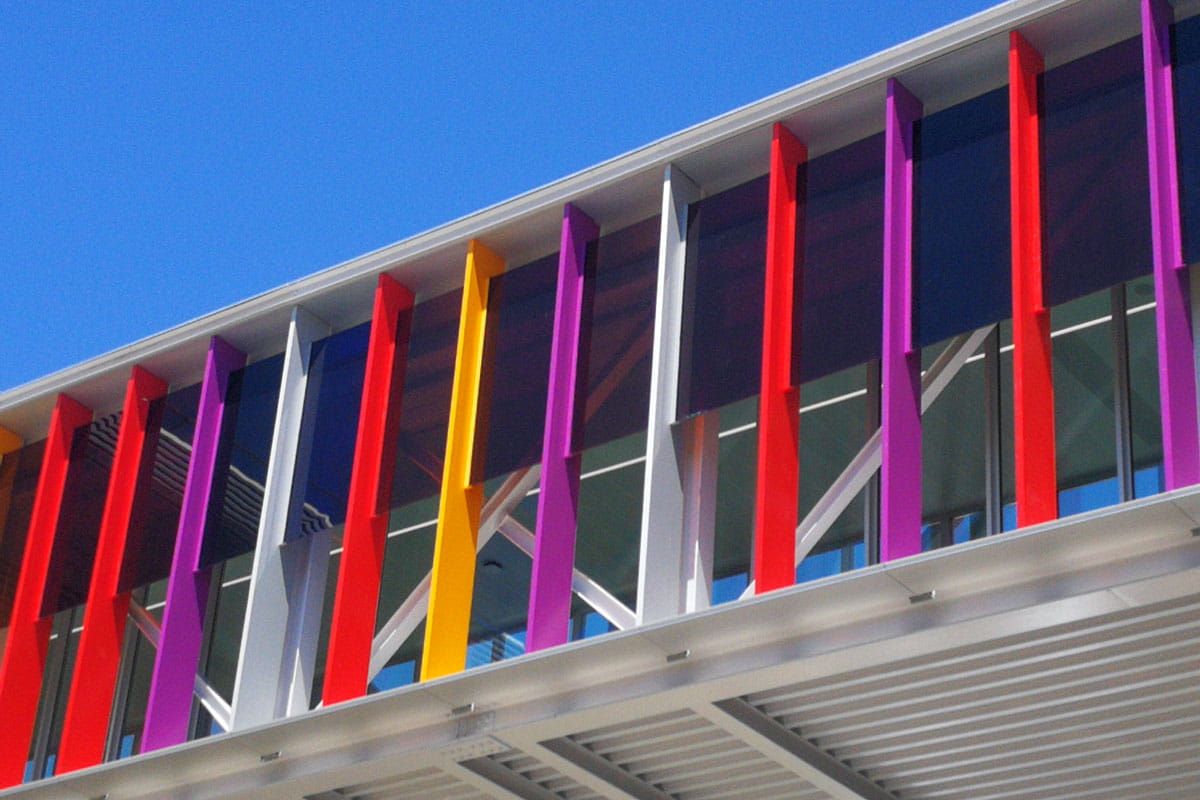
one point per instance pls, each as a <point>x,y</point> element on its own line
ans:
<point>1056,662</point>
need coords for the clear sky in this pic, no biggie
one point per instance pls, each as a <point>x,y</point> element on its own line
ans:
<point>161,161</point>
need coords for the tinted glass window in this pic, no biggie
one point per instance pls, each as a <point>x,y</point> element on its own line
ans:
<point>1187,123</point>
<point>235,506</point>
<point>19,472</point>
<point>962,246</point>
<point>723,306</point>
<point>425,407</point>
<point>618,341</point>
<point>1095,181</point>
<point>74,550</point>
<point>154,521</point>
<point>516,369</point>
<point>841,281</point>
<point>332,405</point>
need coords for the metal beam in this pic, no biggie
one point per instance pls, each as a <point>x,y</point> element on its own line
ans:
<point>181,638</point>
<point>456,545</point>
<point>503,782</point>
<point>364,536</point>
<point>1176,370</point>
<point>286,583</point>
<point>746,723</point>
<point>24,661</point>
<point>604,769</point>
<point>553,556</point>
<point>900,420</point>
<point>660,589</point>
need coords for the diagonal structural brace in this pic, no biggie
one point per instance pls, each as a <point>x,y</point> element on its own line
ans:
<point>866,462</point>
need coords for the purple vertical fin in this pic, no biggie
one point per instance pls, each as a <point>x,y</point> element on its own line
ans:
<point>558,501</point>
<point>900,481</point>
<point>172,683</point>
<point>1176,366</point>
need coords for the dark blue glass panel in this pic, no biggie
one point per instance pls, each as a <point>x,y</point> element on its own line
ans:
<point>962,245</point>
<point>71,558</point>
<point>247,426</point>
<point>1095,181</point>
<point>154,521</point>
<point>619,338</point>
<point>425,403</point>
<point>330,427</point>
<point>841,283</point>
<point>19,472</point>
<point>516,369</point>
<point>1187,125</point>
<point>723,305</point>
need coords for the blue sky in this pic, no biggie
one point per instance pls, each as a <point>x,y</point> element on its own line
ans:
<point>158,162</point>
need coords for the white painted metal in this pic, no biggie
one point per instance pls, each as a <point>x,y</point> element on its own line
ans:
<point>660,586</point>
<point>401,624</point>
<point>749,725</point>
<point>287,584</point>
<point>590,592</point>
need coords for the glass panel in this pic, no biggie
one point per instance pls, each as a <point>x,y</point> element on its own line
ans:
<point>721,349</point>
<point>953,448</point>
<point>841,314</point>
<point>1187,124</point>
<point>425,405</point>
<point>516,369</point>
<point>19,472</point>
<point>154,521</point>
<point>407,560</point>
<point>235,506</point>
<point>330,426</point>
<point>1144,407</point>
<point>833,428</point>
<point>1095,180</point>
<point>962,245</point>
<point>225,636</point>
<point>1085,431</point>
<point>73,554</point>
<point>610,515</point>
<point>618,339</point>
<point>733,537</point>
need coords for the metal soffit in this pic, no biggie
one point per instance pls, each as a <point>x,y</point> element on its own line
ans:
<point>943,67</point>
<point>1055,662</point>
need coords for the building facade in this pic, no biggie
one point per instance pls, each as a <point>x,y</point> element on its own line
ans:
<point>844,446</point>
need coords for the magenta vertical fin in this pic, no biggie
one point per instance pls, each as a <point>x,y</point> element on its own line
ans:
<point>558,501</point>
<point>900,472</point>
<point>1176,365</point>
<point>172,683</point>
